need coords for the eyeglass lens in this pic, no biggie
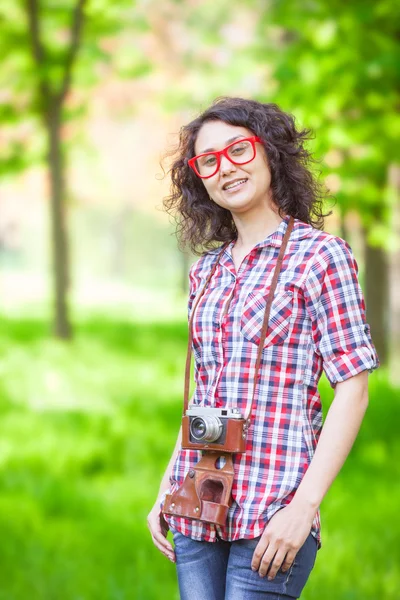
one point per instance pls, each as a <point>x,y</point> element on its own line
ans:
<point>239,153</point>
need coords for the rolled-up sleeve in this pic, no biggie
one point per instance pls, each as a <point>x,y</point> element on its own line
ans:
<point>336,306</point>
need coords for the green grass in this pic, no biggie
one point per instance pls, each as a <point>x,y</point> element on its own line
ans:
<point>86,430</point>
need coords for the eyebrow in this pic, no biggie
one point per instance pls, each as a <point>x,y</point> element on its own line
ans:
<point>232,139</point>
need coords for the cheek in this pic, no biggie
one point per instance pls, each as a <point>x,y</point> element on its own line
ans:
<point>263,174</point>
<point>210,186</point>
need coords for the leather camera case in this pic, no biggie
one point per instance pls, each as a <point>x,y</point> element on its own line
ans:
<point>206,492</point>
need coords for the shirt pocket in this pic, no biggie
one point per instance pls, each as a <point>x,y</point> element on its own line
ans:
<point>280,317</point>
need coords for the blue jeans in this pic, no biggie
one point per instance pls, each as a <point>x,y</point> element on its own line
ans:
<point>222,571</point>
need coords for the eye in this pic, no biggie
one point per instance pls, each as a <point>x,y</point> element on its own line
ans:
<point>209,160</point>
<point>238,149</point>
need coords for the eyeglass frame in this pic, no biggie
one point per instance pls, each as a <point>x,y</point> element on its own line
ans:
<point>218,153</point>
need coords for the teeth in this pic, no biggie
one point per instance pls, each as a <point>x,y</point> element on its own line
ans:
<point>232,185</point>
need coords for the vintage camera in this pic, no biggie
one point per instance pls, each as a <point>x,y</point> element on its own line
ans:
<point>206,493</point>
<point>222,429</point>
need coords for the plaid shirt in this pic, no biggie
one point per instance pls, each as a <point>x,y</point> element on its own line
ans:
<point>317,322</point>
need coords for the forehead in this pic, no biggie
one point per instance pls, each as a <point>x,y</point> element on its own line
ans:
<point>216,135</point>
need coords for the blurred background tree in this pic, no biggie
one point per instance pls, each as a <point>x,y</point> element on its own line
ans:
<point>41,44</point>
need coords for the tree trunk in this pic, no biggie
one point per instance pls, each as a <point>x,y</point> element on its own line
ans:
<point>377,298</point>
<point>61,324</point>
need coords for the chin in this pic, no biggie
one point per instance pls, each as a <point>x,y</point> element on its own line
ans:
<point>240,205</point>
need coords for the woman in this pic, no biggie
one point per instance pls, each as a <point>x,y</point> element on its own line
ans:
<point>248,176</point>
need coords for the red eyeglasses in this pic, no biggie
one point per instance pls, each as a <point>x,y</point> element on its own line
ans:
<point>240,152</point>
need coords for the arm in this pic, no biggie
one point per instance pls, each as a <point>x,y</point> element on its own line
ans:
<point>288,529</point>
<point>340,429</point>
<point>165,483</point>
<point>336,308</point>
<point>155,520</point>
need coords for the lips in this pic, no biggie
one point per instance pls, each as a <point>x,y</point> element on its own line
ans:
<point>231,185</point>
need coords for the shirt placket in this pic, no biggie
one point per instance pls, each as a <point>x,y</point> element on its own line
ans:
<point>223,324</point>
<point>220,333</point>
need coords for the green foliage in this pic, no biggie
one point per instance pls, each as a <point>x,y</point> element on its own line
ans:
<point>105,46</point>
<point>337,66</point>
<point>14,160</point>
<point>86,430</point>
<point>77,468</point>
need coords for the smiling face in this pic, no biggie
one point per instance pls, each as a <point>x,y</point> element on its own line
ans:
<point>238,188</point>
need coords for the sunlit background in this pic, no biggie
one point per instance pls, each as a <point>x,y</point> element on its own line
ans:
<point>93,288</point>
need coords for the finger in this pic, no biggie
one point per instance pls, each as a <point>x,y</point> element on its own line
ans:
<point>267,560</point>
<point>162,544</point>
<point>170,554</point>
<point>259,553</point>
<point>157,533</point>
<point>154,523</point>
<point>162,540</point>
<point>287,563</point>
<point>276,564</point>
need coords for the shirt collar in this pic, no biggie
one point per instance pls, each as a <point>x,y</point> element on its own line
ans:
<point>300,230</point>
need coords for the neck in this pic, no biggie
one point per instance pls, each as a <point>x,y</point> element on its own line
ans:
<point>254,228</point>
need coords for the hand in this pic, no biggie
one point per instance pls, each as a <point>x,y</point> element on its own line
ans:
<point>282,538</point>
<point>159,529</point>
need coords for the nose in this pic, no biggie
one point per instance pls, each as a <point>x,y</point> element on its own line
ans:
<point>226,166</point>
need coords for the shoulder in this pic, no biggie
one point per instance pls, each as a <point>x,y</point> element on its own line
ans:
<point>324,248</point>
<point>333,250</point>
<point>328,257</point>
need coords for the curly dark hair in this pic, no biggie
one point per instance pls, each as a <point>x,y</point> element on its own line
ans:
<point>200,222</point>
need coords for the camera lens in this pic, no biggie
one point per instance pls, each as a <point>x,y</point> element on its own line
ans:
<point>206,429</point>
<point>198,428</point>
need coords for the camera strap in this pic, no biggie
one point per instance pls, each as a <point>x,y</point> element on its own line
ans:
<point>264,329</point>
